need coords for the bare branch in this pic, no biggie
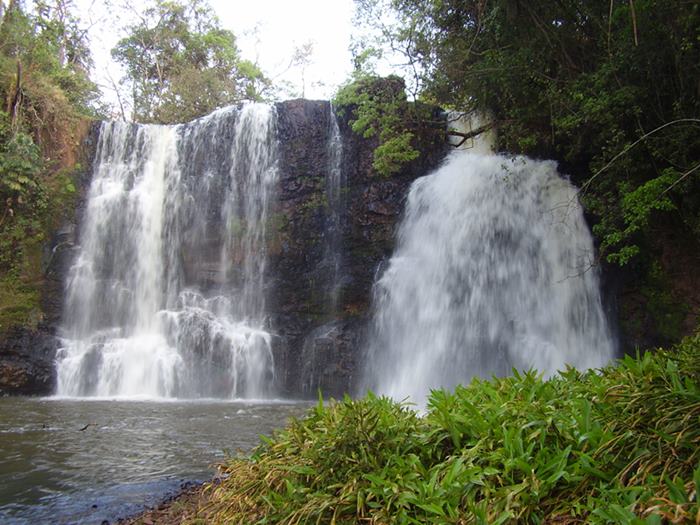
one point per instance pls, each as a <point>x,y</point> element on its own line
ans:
<point>586,184</point>
<point>468,135</point>
<point>634,22</point>
<point>685,175</point>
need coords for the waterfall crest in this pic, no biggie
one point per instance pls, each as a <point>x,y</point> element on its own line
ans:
<point>493,270</point>
<point>161,300</point>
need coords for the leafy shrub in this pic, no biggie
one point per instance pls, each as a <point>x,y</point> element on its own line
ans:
<point>619,445</point>
<point>378,108</point>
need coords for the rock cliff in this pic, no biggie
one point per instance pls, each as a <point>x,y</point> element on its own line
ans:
<point>318,302</point>
<point>321,340</point>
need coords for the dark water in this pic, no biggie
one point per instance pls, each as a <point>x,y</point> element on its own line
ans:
<point>133,454</point>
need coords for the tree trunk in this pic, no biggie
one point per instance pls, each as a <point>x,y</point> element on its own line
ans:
<point>15,101</point>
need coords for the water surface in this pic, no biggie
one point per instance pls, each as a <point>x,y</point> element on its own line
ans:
<point>131,455</point>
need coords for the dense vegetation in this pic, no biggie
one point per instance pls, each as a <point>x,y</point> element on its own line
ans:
<point>621,445</point>
<point>609,89</point>
<point>577,81</point>
<point>47,98</point>
<point>181,64</point>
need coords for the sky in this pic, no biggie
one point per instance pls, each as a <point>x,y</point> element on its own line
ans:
<point>267,32</point>
<point>284,25</point>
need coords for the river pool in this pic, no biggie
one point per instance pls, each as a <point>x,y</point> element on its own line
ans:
<point>70,461</point>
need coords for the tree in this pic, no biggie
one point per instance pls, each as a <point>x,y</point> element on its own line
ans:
<point>181,64</point>
<point>378,108</point>
<point>47,99</point>
<point>573,80</point>
<point>44,59</point>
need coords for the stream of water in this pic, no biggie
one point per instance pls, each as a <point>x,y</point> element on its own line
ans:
<point>132,454</point>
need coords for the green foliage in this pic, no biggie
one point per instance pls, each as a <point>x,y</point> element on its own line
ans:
<point>613,446</point>
<point>19,303</point>
<point>395,151</point>
<point>23,195</point>
<point>637,207</point>
<point>666,311</point>
<point>181,64</point>
<point>573,80</point>
<point>379,108</point>
<point>54,57</point>
<point>47,96</point>
<point>31,202</point>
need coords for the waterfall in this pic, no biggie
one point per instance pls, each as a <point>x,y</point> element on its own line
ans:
<point>493,270</point>
<point>334,194</point>
<point>162,301</point>
<point>318,348</point>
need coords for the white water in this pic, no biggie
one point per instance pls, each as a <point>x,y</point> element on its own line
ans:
<point>492,271</point>
<point>158,303</point>
<point>336,204</point>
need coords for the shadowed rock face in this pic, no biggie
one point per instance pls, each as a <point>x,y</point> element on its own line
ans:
<point>316,341</point>
<point>320,344</point>
<point>26,363</point>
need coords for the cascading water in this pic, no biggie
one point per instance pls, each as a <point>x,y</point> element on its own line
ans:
<point>492,271</point>
<point>334,194</point>
<point>162,301</point>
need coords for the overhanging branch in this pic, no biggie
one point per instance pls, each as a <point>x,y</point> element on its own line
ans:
<point>469,134</point>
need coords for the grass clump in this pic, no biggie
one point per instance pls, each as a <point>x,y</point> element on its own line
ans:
<point>620,445</point>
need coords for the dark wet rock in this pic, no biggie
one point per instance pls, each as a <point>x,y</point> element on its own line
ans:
<point>330,358</point>
<point>320,342</point>
<point>26,362</point>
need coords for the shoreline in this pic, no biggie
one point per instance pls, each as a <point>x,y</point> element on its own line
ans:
<point>174,508</point>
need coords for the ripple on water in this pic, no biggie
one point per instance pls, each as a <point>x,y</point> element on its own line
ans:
<point>130,455</point>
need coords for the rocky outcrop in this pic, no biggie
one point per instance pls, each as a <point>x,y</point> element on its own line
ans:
<point>26,362</point>
<point>319,305</point>
<point>321,340</point>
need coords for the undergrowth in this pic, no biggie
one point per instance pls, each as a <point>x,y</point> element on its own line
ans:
<point>618,445</point>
